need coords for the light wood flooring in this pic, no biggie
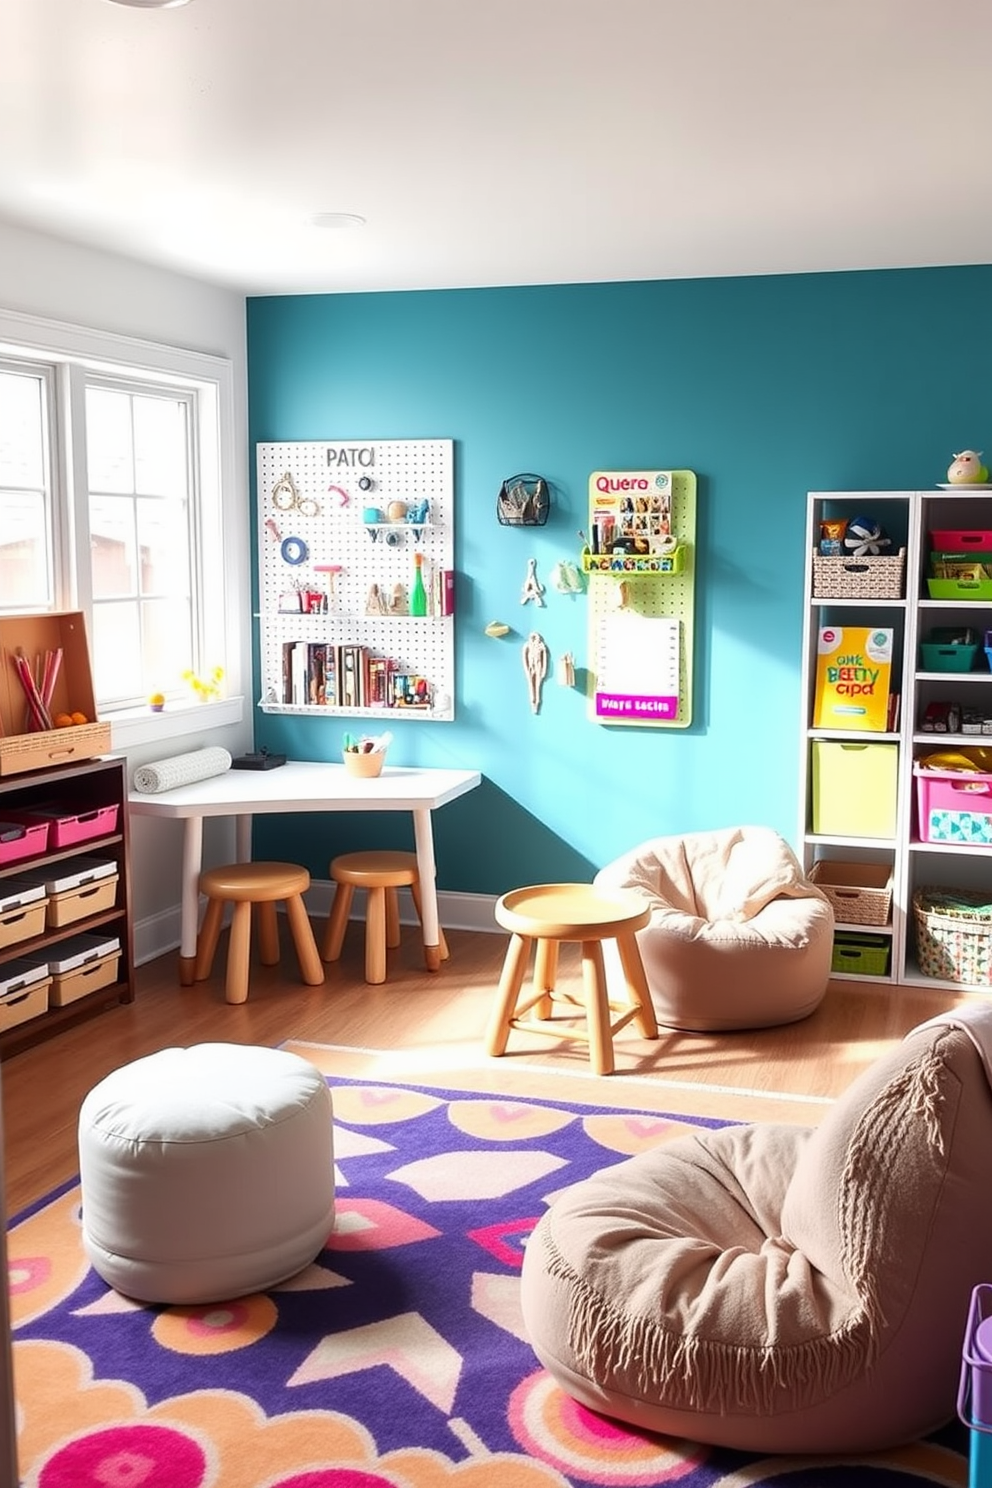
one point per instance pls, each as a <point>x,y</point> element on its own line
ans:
<point>428,1029</point>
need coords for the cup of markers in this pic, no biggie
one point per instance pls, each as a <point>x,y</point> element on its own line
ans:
<point>365,756</point>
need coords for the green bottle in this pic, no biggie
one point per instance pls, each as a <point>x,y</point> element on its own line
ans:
<point>418,594</point>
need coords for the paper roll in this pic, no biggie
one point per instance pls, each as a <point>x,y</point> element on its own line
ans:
<point>181,769</point>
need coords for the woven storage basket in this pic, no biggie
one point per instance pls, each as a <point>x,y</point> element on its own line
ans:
<point>859,893</point>
<point>954,935</point>
<point>859,578</point>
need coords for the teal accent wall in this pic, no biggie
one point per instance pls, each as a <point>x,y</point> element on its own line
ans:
<point>765,387</point>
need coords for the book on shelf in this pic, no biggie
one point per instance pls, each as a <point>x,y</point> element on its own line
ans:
<point>321,675</point>
<point>409,690</point>
<point>379,675</point>
<point>353,689</point>
<point>853,677</point>
<point>287,671</point>
<point>298,675</point>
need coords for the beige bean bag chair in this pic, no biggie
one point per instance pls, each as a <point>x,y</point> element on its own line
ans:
<point>781,1288</point>
<point>738,937</point>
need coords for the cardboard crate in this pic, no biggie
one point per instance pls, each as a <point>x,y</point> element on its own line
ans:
<point>74,891</point>
<point>22,749</point>
<point>20,1007</point>
<point>69,986</point>
<point>23,907</point>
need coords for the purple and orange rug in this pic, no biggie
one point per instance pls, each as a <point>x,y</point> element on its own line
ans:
<point>397,1360</point>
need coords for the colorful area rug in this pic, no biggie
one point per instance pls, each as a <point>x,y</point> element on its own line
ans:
<point>397,1360</point>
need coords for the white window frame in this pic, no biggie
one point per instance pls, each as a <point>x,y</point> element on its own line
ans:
<point>76,351</point>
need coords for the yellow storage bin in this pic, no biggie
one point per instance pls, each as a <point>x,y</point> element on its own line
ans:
<point>854,788</point>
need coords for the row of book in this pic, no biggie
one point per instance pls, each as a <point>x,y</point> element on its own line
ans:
<point>321,675</point>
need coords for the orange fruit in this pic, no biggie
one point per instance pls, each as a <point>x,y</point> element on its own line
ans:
<point>62,720</point>
<point>79,718</point>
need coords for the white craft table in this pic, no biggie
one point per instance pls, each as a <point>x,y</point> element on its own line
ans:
<point>303,785</point>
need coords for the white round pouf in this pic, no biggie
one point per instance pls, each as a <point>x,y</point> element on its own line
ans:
<point>206,1173</point>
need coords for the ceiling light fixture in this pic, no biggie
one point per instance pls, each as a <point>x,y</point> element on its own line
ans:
<point>336,221</point>
<point>151,4</point>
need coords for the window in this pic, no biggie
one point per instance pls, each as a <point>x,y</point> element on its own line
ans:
<point>141,499</point>
<point>111,502</point>
<point>27,578</point>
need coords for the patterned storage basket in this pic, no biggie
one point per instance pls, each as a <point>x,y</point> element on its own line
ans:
<point>954,935</point>
<point>882,577</point>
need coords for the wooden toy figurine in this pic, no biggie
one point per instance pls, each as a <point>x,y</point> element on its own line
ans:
<point>533,588</point>
<point>535,658</point>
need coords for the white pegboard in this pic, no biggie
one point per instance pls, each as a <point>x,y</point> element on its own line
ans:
<point>313,512</point>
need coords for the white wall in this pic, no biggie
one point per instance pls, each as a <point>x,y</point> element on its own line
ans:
<point>61,281</point>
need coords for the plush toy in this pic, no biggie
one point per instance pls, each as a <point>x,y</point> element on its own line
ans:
<point>864,537</point>
<point>967,469</point>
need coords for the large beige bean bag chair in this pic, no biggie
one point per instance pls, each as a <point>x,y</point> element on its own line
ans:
<point>781,1288</point>
<point>738,936</point>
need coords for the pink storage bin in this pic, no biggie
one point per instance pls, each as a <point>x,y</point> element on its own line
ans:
<point>961,541</point>
<point>22,839</point>
<point>954,806</point>
<point>65,831</point>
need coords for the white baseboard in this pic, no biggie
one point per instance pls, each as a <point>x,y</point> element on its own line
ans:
<point>158,934</point>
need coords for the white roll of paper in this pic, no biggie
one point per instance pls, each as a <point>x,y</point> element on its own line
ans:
<point>181,769</point>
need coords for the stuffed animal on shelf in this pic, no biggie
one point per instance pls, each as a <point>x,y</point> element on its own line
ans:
<point>864,537</point>
<point>966,469</point>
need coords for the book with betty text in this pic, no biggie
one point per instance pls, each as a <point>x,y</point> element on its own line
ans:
<point>853,678</point>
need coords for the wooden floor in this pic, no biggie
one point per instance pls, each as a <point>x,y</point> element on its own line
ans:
<point>428,1029</point>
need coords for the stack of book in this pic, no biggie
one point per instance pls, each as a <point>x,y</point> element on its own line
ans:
<point>321,675</point>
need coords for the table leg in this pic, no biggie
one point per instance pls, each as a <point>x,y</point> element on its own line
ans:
<point>190,911</point>
<point>242,838</point>
<point>424,838</point>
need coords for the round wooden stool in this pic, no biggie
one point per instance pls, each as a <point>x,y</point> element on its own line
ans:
<point>380,874</point>
<point>265,885</point>
<point>545,915</point>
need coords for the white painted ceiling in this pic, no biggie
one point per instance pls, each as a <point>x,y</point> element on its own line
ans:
<point>501,141</point>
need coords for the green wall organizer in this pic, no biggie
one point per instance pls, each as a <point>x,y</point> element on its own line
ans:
<point>641,566</point>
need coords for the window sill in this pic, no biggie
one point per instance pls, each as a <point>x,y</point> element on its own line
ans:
<point>141,726</point>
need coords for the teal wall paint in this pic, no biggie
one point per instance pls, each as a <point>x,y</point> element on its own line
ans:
<point>765,387</point>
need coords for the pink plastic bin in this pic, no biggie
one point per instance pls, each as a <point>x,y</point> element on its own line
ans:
<point>20,839</point>
<point>66,831</point>
<point>958,541</point>
<point>954,806</point>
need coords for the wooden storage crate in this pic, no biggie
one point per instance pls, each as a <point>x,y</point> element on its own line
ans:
<point>847,577</point>
<point>860,893</point>
<point>22,749</point>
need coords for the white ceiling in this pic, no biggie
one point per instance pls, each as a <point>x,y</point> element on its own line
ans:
<point>501,141</point>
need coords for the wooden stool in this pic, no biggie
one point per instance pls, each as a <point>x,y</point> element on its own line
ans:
<point>545,915</point>
<point>263,884</point>
<point>380,874</point>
